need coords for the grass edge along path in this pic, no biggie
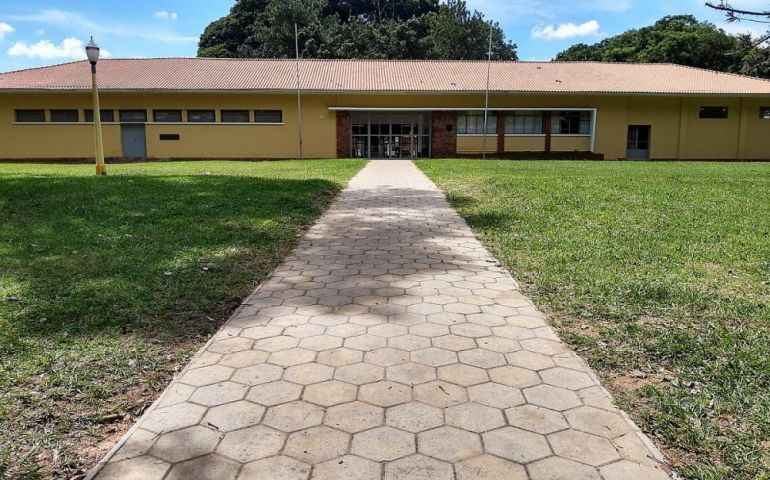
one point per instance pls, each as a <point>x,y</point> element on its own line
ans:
<point>659,275</point>
<point>108,285</point>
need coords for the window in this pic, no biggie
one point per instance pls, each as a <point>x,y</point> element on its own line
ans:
<point>235,116</point>
<point>571,123</point>
<point>524,123</point>
<point>712,112</point>
<point>472,123</point>
<point>764,113</point>
<point>65,116</point>
<point>268,116</point>
<point>133,116</point>
<point>169,136</point>
<point>360,128</point>
<point>201,116</point>
<point>166,116</point>
<point>104,115</point>
<point>30,115</point>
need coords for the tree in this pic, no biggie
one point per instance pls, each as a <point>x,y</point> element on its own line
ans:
<point>756,58</point>
<point>456,33</point>
<point>737,15</point>
<point>384,29</point>
<point>679,39</point>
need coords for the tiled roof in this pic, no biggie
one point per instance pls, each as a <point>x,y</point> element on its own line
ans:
<point>210,74</point>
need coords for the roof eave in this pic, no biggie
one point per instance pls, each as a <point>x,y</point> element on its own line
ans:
<point>387,92</point>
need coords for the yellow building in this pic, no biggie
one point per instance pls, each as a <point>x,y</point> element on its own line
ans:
<point>190,108</point>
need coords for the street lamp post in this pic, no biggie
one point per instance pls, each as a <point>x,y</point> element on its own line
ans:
<point>92,51</point>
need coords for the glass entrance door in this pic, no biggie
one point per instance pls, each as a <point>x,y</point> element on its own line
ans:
<point>385,146</point>
<point>390,136</point>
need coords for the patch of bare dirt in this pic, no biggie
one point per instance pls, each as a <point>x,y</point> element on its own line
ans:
<point>632,381</point>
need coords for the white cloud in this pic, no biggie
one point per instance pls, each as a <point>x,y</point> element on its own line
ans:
<point>566,30</point>
<point>4,30</point>
<point>79,22</point>
<point>164,15</point>
<point>70,49</point>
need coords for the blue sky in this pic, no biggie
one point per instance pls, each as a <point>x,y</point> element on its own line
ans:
<point>44,32</point>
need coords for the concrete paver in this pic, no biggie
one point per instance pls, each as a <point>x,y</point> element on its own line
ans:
<point>389,345</point>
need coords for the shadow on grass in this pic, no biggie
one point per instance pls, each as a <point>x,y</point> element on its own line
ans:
<point>107,285</point>
<point>482,220</point>
<point>141,253</point>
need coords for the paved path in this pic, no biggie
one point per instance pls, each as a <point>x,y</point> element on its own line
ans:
<point>389,345</point>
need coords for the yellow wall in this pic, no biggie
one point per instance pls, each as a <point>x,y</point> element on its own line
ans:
<point>51,140</point>
<point>518,143</point>
<point>219,140</point>
<point>475,143</point>
<point>662,114</point>
<point>677,132</point>
<point>570,143</point>
<point>711,138</point>
<point>756,131</point>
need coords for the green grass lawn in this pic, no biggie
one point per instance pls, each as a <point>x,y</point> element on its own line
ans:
<point>659,275</point>
<point>108,285</point>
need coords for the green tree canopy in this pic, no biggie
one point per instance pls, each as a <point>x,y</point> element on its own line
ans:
<point>384,29</point>
<point>680,39</point>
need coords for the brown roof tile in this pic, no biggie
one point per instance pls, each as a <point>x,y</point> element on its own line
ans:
<point>210,74</point>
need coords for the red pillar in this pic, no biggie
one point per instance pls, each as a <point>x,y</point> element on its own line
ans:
<point>443,139</point>
<point>343,134</point>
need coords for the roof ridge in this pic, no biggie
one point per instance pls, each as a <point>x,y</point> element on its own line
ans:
<point>370,60</point>
<point>394,60</point>
<point>732,74</point>
<point>42,67</point>
<point>397,75</point>
<point>381,60</point>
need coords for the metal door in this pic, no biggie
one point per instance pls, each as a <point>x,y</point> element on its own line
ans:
<point>638,144</point>
<point>132,135</point>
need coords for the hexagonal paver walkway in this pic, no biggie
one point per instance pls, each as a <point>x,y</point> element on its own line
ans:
<point>389,345</point>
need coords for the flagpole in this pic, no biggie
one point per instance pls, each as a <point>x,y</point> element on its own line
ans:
<point>299,99</point>
<point>486,96</point>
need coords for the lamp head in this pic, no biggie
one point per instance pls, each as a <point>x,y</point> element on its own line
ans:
<point>92,51</point>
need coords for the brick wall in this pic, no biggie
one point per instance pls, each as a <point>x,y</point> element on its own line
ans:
<point>343,134</point>
<point>443,140</point>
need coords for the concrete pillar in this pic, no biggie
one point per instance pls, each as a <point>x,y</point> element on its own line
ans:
<point>743,124</point>
<point>684,115</point>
